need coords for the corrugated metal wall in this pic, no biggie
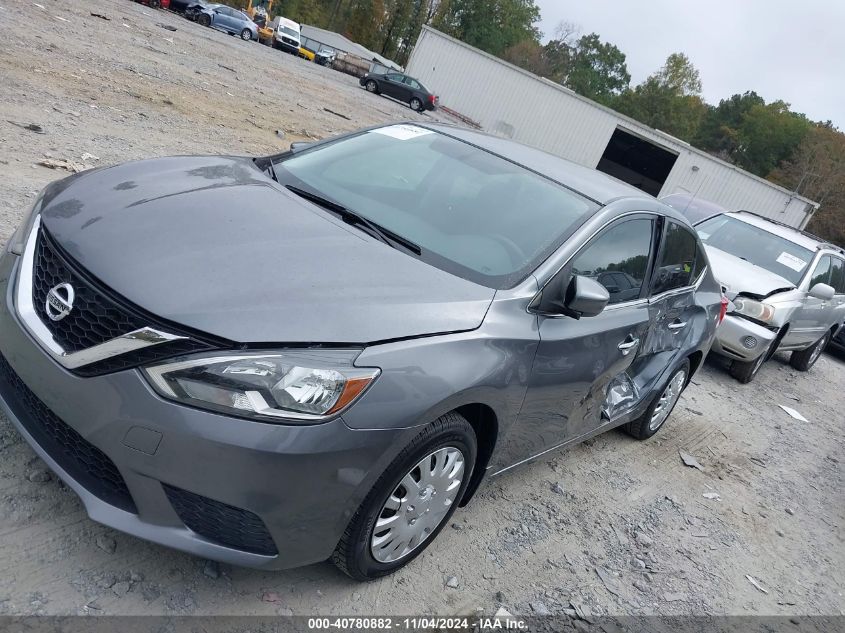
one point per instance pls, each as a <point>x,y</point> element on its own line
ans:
<point>511,102</point>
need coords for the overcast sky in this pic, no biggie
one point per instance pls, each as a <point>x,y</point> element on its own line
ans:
<point>782,49</point>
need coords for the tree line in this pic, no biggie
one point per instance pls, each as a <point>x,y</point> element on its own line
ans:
<point>767,139</point>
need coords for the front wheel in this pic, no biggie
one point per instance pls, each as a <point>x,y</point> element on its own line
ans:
<point>371,86</point>
<point>744,372</point>
<point>246,35</point>
<point>658,411</point>
<point>204,19</point>
<point>803,360</point>
<point>411,502</point>
<point>416,105</point>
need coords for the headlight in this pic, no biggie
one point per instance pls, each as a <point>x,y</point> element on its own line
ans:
<point>754,309</point>
<point>294,386</point>
<point>17,242</point>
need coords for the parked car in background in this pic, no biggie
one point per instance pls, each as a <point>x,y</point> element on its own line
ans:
<point>787,289</point>
<point>194,9</point>
<point>401,87</point>
<point>287,35</point>
<point>180,6</point>
<point>325,56</point>
<point>453,338</point>
<point>226,19</point>
<point>694,209</point>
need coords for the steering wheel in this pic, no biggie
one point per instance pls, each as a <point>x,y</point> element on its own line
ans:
<point>515,253</point>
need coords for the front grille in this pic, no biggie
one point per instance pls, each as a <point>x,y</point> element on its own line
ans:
<point>98,315</point>
<point>291,42</point>
<point>80,459</point>
<point>221,523</point>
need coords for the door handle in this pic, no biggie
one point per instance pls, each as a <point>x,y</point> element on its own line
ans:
<point>626,346</point>
<point>677,325</point>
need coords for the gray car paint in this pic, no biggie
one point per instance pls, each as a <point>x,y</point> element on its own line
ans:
<point>214,244</point>
<point>534,382</point>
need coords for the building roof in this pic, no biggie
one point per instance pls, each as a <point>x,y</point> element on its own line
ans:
<point>588,182</point>
<point>341,43</point>
<point>672,140</point>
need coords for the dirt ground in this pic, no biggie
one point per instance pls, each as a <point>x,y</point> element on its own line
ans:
<point>613,526</point>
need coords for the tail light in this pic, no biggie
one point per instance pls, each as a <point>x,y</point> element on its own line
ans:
<point>432,98</point>
<point>723,309</point>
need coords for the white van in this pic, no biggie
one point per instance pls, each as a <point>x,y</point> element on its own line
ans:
<point>286,35</point>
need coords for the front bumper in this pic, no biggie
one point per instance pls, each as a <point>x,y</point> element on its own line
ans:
<point>288,48</point>
<point>301,484</point>
<point>735,335</point>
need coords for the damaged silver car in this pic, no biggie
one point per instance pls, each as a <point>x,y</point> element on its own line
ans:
<point>787,289</point>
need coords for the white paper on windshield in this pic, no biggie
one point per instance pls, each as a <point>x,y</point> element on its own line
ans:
<point>790,261</point>
<point>402,132</point>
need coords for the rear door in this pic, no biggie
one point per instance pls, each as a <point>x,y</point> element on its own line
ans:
<point>672,299</point>
<point>580,366</point>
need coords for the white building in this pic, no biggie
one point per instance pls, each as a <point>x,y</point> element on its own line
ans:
<point>506,100</point>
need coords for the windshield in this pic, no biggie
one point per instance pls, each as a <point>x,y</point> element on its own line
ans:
<point>471,212</point>
<point>289,31</point>
<point>753,244</point>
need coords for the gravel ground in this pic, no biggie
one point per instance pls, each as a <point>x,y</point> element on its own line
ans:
<point>613,526</point>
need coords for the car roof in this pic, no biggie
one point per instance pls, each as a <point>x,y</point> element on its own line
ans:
<point>590,183</point>
<point>686,201</point>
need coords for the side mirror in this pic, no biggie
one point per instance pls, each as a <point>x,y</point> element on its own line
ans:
<point>612,289</point>
<point>297,146</point>
<point>822,291</point>
<point>582,296</point>
<point>585,296</point>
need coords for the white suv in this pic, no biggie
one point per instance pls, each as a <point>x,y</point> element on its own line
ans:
<point>787,288</point>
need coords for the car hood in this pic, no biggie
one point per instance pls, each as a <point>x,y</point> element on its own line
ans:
<point>741,276</point>
<point>214,244</point>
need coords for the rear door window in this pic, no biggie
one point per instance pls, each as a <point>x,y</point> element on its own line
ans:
<point>679,262</point>
<point>626,248</point>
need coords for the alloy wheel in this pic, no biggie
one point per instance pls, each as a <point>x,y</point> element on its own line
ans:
<point>667,400</point>
<point>418,505</point>
<point>818,349</point>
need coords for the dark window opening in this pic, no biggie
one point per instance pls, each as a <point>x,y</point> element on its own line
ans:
<point>637,161</point>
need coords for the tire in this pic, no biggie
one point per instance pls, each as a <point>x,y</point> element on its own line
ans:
<point>371,86</point>
<point>416,104</point>
<point>667,397</point>
<point>204,20</point>
<point>364,553</point>
<point>246,35</point>
<point>744,372</point>
<point>803,360</point>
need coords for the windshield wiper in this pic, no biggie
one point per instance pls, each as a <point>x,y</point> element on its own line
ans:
<point>350,217</point>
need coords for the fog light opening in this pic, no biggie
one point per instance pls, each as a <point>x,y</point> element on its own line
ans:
<point>749,342</point>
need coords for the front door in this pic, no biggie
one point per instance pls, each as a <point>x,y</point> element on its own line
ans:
<point>814,317</point>
<point>394,86</point>
<point>580,369</point>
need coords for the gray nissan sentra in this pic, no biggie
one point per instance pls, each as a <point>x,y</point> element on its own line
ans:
<point>276,361</point>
